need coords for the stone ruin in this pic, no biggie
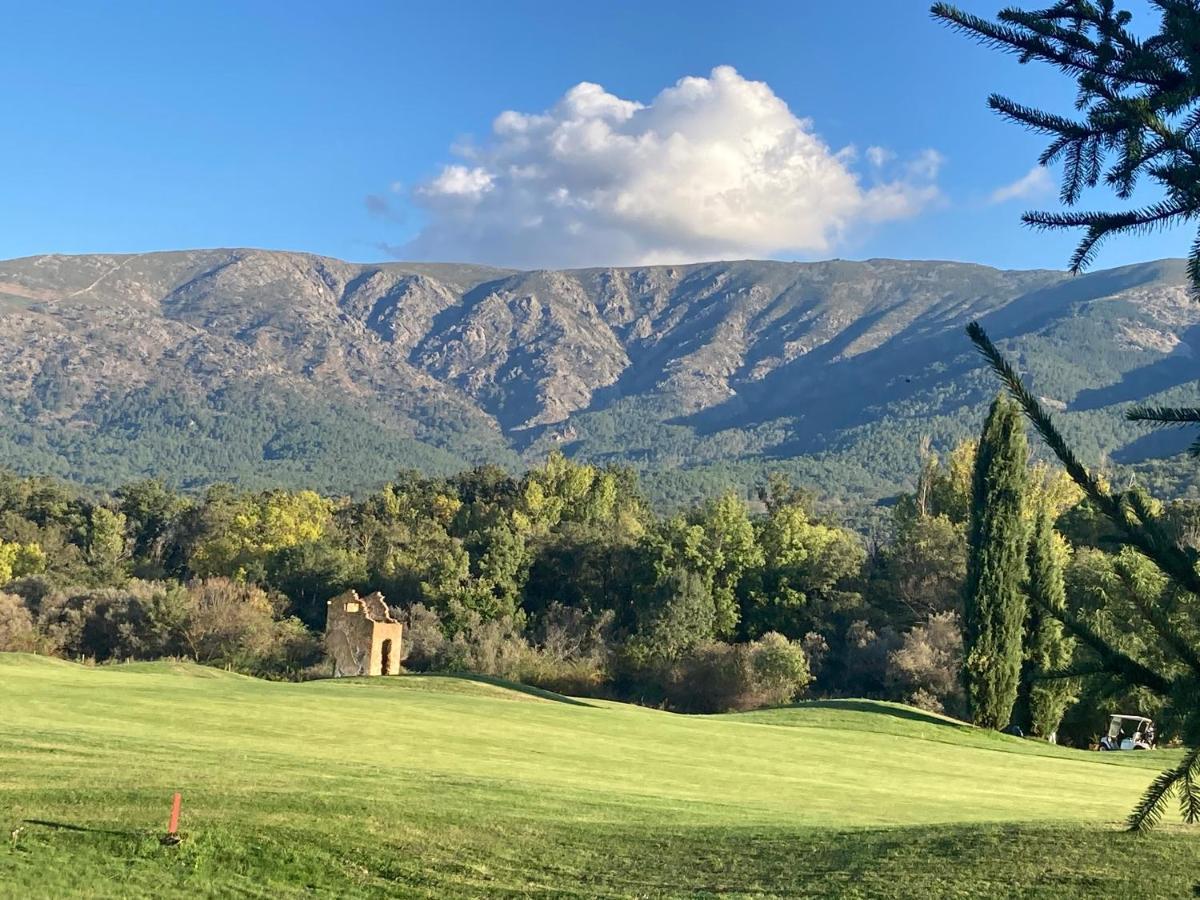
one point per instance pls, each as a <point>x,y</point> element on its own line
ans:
<point>361,636</point>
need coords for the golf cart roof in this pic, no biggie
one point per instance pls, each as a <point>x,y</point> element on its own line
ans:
<point>1136,718</point>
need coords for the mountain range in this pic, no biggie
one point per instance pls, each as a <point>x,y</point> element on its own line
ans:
<point>263,367</point>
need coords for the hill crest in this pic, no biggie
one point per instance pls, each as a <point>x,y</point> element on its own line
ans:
<point>142,364</point>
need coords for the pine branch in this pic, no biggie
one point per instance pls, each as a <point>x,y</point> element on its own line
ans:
<point>1140,106</point>
<point>1014,33</point>
<point>1189,797</point>
<point>1165,415</point>
<point>1112,661</point>
<point>1153,614</point>
<point>1145,535</point>
<point>1042,422</point>
<point>1101,225</point>
<point>1193,266</point>
<point>1038,120</point>
<point>1151,807</point>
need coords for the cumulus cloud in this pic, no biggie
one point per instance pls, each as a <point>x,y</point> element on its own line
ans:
<point>711,168</point>
<point>1034,183</point>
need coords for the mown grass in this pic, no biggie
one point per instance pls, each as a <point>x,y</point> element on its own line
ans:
<point>435,786</point>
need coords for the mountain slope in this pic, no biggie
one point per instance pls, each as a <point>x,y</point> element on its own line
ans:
<point>265,367</point>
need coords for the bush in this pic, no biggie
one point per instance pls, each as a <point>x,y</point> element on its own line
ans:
<point>226,622</point>
<point>927,668</point>
<point>33,589</point>
<point>779,669</point>
<point>570,659</point>
<point>423,644</point>
<point>17,633</point>
<point>294,653</point>
<point>495,647</point>
<point>857,662</point>
<point>710,678</point>
<point>139,621</point>
<point>718,677</point>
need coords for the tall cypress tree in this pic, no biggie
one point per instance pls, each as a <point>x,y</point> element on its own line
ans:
<point>1048,649</point>
<point>994,604</point>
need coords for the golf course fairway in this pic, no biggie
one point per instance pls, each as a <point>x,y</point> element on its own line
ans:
<point>441,786</point>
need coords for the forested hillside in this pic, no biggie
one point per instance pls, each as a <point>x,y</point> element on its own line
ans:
<point>265,368</point>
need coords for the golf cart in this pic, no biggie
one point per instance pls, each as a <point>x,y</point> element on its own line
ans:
<point>1129,733</point>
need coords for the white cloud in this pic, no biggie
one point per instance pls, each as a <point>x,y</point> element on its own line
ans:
<point>459,181</point>
<point>879,156</point>
<point>1034,183</point>
<point>711,168</point>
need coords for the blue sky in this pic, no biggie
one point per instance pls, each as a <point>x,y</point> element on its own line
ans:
<point>142,126</point>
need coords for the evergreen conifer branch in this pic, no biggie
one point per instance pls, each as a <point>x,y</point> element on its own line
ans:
<point>1184,778</point>
<point>1138,109</point>
<point>1154,614</point>
<point>1145,533</point>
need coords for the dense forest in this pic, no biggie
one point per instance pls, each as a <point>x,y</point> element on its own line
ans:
<point>564,578</point>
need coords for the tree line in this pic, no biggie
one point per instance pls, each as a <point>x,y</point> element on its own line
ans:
<point>566,578</point>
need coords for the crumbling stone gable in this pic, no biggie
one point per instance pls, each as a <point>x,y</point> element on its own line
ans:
<point>361,636</point>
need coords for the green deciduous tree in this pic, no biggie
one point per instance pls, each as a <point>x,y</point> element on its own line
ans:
<point>922,571</point>
<point>730,549</point>
<point>680,614</point>
<point>994,605</point>
<point>807,566</point>
<point>17,560</point>
<point>105,543</point>
<point>255,526</point>
<point>152,513</point>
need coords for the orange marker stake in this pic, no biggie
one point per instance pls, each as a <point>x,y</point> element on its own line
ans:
<point>172,835</point>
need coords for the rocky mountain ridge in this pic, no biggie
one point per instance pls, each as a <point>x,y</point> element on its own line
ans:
<point>728,365</point>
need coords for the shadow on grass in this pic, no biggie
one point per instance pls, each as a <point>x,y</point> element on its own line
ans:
<point>871,706</point>
<point>67,826</point>
<point>491,680</point>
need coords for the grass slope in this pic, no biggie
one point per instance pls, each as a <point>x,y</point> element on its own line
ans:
<point>435,786</point>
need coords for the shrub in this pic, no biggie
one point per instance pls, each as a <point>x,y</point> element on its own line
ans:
<point>229,623</point>
<point>712,677</point>
<point>779,669</point>
<point>33,589</point>
<point>294,653</point>
<point>494,647</point>
<point>17,632</point>
<point>857,662</point>
<point>424,642</point>
<point>926,670</point>
<point>139,621</point>
<point>571,658</point>
<point>718,677</point>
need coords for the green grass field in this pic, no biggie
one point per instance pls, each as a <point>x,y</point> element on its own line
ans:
<point>438,786</point>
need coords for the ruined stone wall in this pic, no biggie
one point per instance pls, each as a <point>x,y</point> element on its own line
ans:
<point>355,632</point>
<point>385,631</point>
